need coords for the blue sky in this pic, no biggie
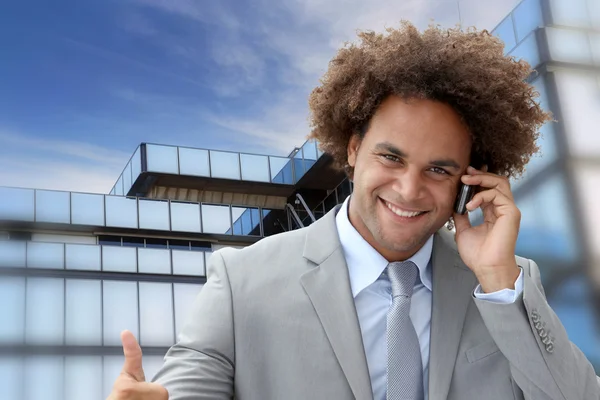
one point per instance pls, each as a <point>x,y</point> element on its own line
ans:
<point>82,83</point>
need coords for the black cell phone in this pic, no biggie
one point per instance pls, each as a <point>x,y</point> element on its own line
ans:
<point>465,194</point>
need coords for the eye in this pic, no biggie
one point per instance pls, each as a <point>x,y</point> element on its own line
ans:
<point>390,157</point>
<point>439,170</point>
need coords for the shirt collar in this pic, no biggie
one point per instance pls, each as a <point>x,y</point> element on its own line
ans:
<point>365,264</point>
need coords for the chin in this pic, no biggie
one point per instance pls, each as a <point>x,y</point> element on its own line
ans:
<point>403,242</point>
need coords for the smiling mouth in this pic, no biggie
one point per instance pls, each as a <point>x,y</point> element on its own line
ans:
<point>402,213</point>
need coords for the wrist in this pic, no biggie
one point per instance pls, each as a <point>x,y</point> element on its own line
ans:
<point>498,278</point>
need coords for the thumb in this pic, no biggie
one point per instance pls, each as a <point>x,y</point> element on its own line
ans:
<point>133,357</point>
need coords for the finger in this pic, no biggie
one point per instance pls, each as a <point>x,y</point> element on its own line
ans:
<point>133,357</point>
<point>502,205</point>
<point>489,181</point>
<point>461,222</point>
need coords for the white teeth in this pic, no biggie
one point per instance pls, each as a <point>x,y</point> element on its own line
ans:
<point>403,213</point>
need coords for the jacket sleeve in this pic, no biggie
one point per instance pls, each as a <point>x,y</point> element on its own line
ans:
<point>543,362</point>
<point>201,364</point>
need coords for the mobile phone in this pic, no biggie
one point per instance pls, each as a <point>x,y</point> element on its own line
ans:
<point>465,194</point>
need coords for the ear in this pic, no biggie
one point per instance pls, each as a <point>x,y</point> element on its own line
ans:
<point>353,146</point>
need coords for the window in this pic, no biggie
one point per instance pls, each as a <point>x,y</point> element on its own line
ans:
<point>185,297</point>
<point>568,45</point>
<point>185,217</point>
<point>51,206</point>
<point>133,241</point>
<point>162,159</point>
<point>84,312</point>
<point>112,368</point>
<point>45,255</point>
<point>156,314</point>
<point>120,259</point>
<point>83,378</point>
<point>255,168</point>
<point>246,221</point>
<point>587,182</point>
<point>546,233</point>
<point>13,254</point>
<point>580,101</point>
<point>109,240</point>
<point>154,261</point>
<point>157,243</point>
<point>281,170</point>
<point>572,13</point>
<point>216,218</point>
<point>274,221</point>
<point>224,165</point>
<point>193,162</point>
<point>527,16</point>
<point>506,32</point>
<point>188,262</point>
<point>120,312</point>
<point>11,377</point>
<point>528,51</point>
<point>154,214</point>
<point>179,244</point>
<point>12,310</point>
<point>16,204</point>
<point>201,246</point>
<point>121,212</point>
<point>44,378</point>
<point>45,311</point>
<point>83,257</point>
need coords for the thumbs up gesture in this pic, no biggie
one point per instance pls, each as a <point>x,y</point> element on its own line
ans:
<point>131,383</point>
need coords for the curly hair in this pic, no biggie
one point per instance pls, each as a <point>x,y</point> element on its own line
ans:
<point>466,70</point>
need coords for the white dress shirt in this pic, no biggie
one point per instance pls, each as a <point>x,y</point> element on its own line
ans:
<point>372,293</point>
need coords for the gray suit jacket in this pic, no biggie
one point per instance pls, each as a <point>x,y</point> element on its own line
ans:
<point>277,320</point>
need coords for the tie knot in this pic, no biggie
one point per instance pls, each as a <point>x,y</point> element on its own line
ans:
<point>403,276</point>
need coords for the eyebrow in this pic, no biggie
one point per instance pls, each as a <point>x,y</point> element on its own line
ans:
<point>390,148</point>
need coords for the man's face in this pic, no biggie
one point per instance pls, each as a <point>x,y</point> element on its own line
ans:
<point>407,171</point>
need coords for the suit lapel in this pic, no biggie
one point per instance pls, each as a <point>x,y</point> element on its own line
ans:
<point>453,285</point>
<point>328,287</point>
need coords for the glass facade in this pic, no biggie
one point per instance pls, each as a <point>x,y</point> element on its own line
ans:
<point>113,258</point>
<point>580,114</point>
<point>127,212</point>
<point>176,160</point>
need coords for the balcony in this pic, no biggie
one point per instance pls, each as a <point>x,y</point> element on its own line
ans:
<point>97,212</point>
<point>202,169</point>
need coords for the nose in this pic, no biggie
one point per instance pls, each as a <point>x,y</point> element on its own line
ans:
<point>409,184</point>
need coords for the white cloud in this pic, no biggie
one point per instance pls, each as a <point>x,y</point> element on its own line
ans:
<point>58,165</point>
<point>29,172</point>
<point>299,37</point>
<point>138,24</point>
<point>60,148</point>
<point>280,126</point>
<point>206,12</point>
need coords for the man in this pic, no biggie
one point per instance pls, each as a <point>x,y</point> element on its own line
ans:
<point>377,299</point>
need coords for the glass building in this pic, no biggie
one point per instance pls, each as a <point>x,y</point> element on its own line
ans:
<point>78,268</point>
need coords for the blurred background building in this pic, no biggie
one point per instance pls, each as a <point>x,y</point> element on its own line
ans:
<point>78,268</point>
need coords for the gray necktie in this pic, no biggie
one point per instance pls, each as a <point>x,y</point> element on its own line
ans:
<point>404,365</point>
